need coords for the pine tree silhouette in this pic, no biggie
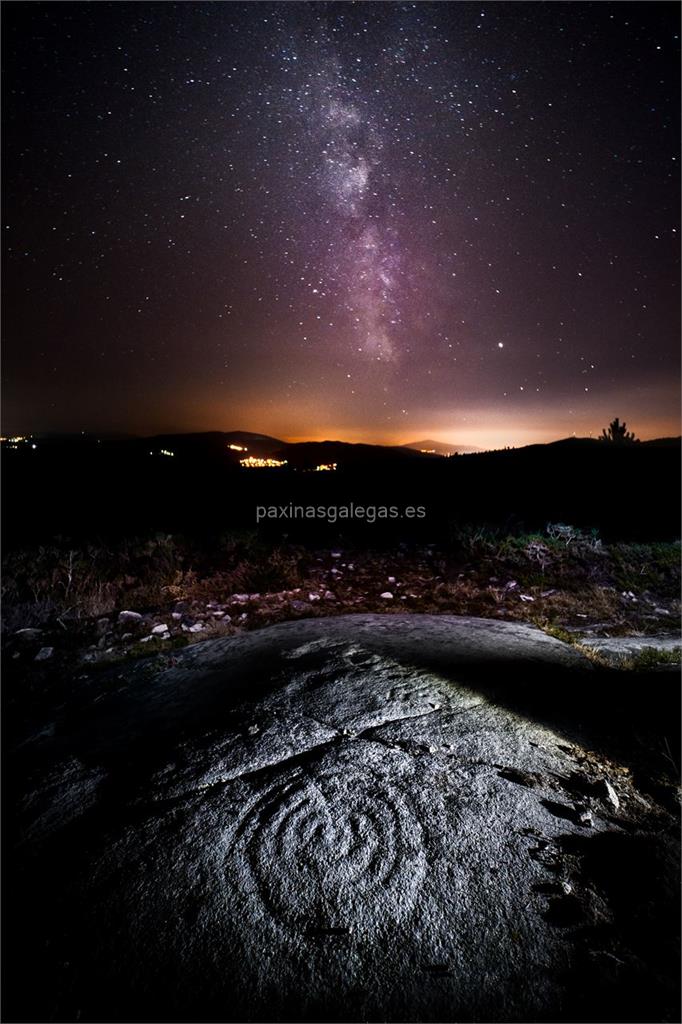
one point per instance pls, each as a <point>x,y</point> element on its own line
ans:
<point>617,433</point>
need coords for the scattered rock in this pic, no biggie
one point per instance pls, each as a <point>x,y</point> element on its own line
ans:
<point>129,617</point>
<point>196,628</point>
<point>522,778</point>
<point>44,654</point>
<point>605,790</point>
<point>584,816</point>
<point>160,629</point>
<point>387,595</point>
<point>313,597</point>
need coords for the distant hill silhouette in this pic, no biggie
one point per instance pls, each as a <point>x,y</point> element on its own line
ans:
<point>307,454</point>
<point>261,445</point>
<point>440,448</point>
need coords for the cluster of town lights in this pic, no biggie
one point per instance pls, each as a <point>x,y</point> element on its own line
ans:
<point>14,442</point>
<point>254,463</point>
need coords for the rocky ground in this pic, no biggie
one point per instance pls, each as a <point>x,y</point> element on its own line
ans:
<point>578,594</point>
<point>369,817</point>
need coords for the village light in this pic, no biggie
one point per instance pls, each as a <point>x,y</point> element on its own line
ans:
<point>253,463</point>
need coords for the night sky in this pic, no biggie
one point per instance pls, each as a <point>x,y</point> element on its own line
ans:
<point>376,221</point>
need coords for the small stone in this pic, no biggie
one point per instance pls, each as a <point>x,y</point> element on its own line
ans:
<point>390,579</point>
<point>161,628</point>
<point>387,595</point>
<point>584,817</point>
<point>253,730</point>
<point>127,636</point>
<point>176,616</point>
<point>129,617</point>
<point>44,653</point>
<point>197,627</point>
<point>566,888</point>
<point>313,597</point>
<point>608,794</point>
<point>336,554</point>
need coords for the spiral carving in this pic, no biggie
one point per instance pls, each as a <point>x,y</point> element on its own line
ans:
<point>325,843</point>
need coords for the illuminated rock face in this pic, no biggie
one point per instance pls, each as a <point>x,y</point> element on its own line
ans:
<point>338,819</point>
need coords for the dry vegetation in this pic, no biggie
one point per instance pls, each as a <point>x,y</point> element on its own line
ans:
<point>564,581</point>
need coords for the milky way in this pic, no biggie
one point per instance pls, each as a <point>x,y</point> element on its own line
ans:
<point>370,220</point>
<point>365,259</point>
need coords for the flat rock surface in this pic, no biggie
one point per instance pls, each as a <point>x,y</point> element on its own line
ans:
<point>617,649</point>
<point>364,818</point>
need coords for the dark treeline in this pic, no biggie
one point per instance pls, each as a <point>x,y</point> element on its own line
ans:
<point>79,489</point>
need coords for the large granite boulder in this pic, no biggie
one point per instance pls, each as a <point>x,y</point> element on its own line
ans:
<point>363,818</point>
